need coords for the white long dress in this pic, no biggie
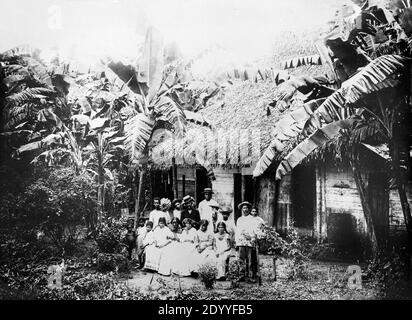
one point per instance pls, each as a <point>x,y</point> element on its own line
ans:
<point>221,248</point>
<point>154,254</point>
<point>205,242</point>
<point>184,263</point>
<point>168,258</point>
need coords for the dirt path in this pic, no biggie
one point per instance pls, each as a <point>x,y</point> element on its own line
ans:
<point>327,281</point>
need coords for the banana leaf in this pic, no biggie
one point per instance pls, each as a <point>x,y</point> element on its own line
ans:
<point>172,113</point>
<point>151,67</point>
<point>138,131</point>
<point>310,144</point>
<point>287,128</point>
<point>383,72</point>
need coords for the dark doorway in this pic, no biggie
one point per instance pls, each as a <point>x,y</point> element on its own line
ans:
<point>162,183</point>
<point>303,196</point>
<point>248,189</point>
<point>202,182</point>
<point>378,196</point>
<point>237,193</point>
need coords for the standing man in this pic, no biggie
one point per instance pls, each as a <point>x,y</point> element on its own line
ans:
<point>245,237</point>
<point>189,212</point>
<point>205,210</point>
<point>230,224</point>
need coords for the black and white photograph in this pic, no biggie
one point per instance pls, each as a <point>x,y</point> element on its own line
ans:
<point>193,150</point>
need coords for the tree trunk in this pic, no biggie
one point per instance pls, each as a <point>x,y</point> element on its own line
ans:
<point>360,185</point>
<point>401,188</point>
<point>175,186</point>
<point>139,193</point>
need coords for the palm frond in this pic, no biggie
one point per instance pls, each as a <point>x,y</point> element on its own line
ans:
<point>171,112</point>
<point>310,144</point>
<point>29,94</point>
<point>138,131</point>
<point>383,72</point>
<point>287,128</point>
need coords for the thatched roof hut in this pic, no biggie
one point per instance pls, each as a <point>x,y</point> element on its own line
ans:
<point>241,126</point>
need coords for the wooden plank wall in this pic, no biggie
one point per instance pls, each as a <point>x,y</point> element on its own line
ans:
<point>396,220</point>
<point>190,185</point>
<point>284,204</point>
<point>223,186</point>
<point>266,199</point>
<point>341,195</point>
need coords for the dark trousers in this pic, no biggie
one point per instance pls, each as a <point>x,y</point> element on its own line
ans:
<point>248,255</point>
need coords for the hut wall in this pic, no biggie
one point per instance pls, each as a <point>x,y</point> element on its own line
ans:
<point>266,199</point>
<point>344,217</point>
<point>284,204</point>
<point>396,220</point>
<point>190,181</point>
<point>223,186</point>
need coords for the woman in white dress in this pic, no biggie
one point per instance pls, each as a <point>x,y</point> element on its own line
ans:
<point>184,263</point>
<point>172,250</point>
<point>161,239</point>
<point>222,246</point>
<point>204,246</point>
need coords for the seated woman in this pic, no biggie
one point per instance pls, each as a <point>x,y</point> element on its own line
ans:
<point>222,248</point>
<point>172,250</point>
<point>183,262</point>
<point>162,238</point>
<point>204,245</point>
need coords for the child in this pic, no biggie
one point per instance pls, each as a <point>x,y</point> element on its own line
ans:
<point>146,240</point>
<point>222,248</point>
<point>130,241</point>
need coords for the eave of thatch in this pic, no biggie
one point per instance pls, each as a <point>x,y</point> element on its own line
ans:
<point>242,125</point>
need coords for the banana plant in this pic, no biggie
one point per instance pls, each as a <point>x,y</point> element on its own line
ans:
<point>159,87</point>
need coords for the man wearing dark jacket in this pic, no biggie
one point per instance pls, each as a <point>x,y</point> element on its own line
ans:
<point>189,212</point>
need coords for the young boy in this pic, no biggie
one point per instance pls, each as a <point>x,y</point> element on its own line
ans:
<point>130,241</point>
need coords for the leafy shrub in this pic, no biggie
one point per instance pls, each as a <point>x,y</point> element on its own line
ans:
<point>54,205</point>
<point>388,270</point>
<point>109,235</point>
<point>207,274</point>
<point>271,242</point>
<point>112,262</point>
<point>294,249</point>
<point>236,272</point>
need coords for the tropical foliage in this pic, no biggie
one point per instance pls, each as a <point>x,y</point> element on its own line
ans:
<point>373,67</point>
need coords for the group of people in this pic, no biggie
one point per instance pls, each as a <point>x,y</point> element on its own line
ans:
<point>179,238</point>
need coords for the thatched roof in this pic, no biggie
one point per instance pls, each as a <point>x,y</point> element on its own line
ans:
<point>241,122</point>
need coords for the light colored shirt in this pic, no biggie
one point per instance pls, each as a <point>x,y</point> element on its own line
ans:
<point>230,227</point>
<point>177,214</point>
<point>205,210</point>
<point>162,235</point>
<point>155,215</point>
<point>148,238</point>
<point>246,229</point>
<point>258,227</point>
<point>188,235</point>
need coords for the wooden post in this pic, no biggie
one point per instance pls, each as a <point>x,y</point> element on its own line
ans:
<point>274,268</point>
<point>183,185</point>
<point>175,187</point>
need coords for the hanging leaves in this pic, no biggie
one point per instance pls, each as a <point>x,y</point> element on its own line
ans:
<point>286,128</point>
<point>138,131</point>
<point>383,72</point>
<point>314,141</point>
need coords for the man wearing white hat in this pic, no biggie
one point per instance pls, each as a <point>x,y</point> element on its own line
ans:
<point>245,237</point>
